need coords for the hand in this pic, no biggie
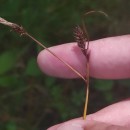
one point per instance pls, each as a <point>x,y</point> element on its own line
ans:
<point>109,59</point>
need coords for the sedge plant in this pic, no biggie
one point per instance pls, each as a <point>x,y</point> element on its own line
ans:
<point>81,37</point>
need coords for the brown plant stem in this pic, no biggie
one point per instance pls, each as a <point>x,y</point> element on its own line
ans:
<point>81,41</point>
<point>87,93</point>
<point>68,65</point>
<point>98,11</point>
<point>87,57</point>
<point>21,31</point>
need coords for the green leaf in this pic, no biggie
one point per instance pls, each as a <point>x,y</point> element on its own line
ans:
<point>6,81</point>
<point>104,85</point>
<point>11,125</point>
<point>7,61</point>
<point>32,68</point>
<point>50,81</point>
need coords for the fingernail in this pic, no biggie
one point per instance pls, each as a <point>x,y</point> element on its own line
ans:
<point>70,127</point>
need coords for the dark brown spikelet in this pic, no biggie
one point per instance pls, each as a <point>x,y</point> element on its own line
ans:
<point>80,39</point>
<point>15,27</point>
<point>18,29</point>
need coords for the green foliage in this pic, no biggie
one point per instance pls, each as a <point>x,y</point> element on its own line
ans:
<point>7,61</point>
<point>104,85</point>
<point>30,100</point>
<point>11,126</point>
<point>32,68</point>
<point>8,80</point>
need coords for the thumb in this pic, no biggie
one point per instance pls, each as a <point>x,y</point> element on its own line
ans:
<point>96,125</point>
<point>72,126</point>
<point>88,124</point>
<point>75,124</point>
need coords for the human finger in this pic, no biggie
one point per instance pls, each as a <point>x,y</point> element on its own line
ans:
<point>113,117</point>
<point>109,59</point>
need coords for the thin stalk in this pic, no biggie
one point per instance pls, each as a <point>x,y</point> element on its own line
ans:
<point>87,93</point>
<point>68,65</point>
<point>21,31</point>
<point>87,57</point>
<point>101,12</point>
<point>81,41</point>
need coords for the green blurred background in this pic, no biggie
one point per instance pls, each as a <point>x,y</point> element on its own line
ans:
<point>31,100</point>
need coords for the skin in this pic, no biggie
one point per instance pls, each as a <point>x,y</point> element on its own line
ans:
<point>109,59</point>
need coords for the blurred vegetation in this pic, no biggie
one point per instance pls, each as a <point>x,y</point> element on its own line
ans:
<point>31,100</point>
